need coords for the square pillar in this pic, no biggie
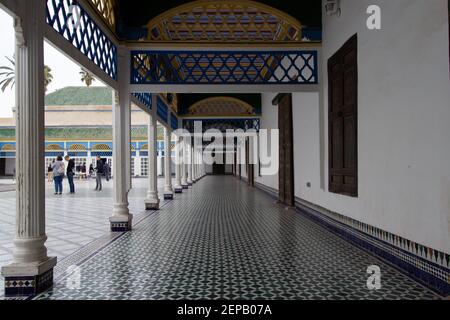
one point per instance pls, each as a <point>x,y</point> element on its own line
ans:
<point>31,271</point>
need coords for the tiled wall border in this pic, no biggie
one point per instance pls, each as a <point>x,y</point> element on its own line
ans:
<point>426,265</point>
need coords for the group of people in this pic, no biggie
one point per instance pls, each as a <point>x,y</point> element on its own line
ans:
<point>57,170</point>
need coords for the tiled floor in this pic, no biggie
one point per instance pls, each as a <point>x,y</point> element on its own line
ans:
<point>72,221</point>
<point>223,240</point>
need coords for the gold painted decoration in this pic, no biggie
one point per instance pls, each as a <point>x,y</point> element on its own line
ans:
<point>105,8</point>
<point>8,147</point>
<point>54,147</point>
<point>224,21</point>
<point>221,106</point>
<point>77,147</point>
<point>101,147</point>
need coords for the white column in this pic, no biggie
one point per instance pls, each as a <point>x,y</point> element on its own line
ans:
<point>196,175</point>
<point>178,188</point>
<point>30,260</point>
<point>194,180</point>
<point>121,218</point>
<point>152,200</point>
<point>168,192</point>
<point>189,159</point>
<point>184,183</point>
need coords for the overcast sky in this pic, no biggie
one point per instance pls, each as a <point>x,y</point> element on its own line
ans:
<point>64,71</point>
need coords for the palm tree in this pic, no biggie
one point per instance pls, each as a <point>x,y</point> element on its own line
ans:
<point>86,77</point>
<point>8,75</point>
<point>48,77</point>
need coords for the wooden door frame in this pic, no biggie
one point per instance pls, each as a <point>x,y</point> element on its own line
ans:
<point>282,190</point>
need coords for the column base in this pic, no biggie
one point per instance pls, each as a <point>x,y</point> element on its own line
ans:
<point>121,223</point>
<point>28,279</point>
<point>178,189</point>
<point>185,186</point>
<point>189,183</point>
<point>151,204</point>
<point>168,195</point>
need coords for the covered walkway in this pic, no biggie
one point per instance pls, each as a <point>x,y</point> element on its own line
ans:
<point>225,240</point>
<point>345,118</point>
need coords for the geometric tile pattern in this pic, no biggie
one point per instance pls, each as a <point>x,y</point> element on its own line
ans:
<point>224,67</point>
<point>76,225</point>
<point>223,240</point>
<point>425,264</point>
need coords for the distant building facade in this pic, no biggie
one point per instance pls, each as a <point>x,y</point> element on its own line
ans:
<point>79,124</point>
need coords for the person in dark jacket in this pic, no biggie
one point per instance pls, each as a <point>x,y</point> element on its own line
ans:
<point>70,173</point>
<point>91,170</point>
<point>100,172</point>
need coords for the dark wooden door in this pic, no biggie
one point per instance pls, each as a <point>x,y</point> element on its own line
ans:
<point>342,119</point>
<point>2,166</point>
<point>286,170</point>
<point>218,169</point>
<point>235,163</point>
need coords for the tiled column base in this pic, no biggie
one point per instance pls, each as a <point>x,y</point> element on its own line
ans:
<point>28,280</point>
<point>185,186</point>
<point>151,205</point>
<point>120,225</point>
<point>178,190</point>
<point>168,196</point>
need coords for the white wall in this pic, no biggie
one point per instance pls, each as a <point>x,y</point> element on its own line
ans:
<point>403,121</point>
<point>269,120</point>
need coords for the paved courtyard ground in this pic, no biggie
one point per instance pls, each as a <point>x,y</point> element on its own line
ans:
<point>72,220</point>
<point>221,239</point>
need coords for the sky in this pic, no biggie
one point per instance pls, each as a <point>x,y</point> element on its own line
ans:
<point>65,72</point>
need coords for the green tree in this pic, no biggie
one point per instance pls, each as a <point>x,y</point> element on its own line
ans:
<point>48,77</point>
<point>87,77</point>
<point>7,75</point>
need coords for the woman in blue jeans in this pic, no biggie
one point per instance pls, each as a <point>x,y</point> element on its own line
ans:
<point>58,174</point>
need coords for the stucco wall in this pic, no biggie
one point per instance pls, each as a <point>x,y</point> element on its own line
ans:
<point>403,121</point>
<point>269,120</point>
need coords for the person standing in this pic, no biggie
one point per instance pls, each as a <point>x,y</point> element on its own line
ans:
<point>70,173</point>
<point>50,171</point>
<point>58,174</point>
<point>107,171</point>
<point>91,170</point>
<point>100,172</point>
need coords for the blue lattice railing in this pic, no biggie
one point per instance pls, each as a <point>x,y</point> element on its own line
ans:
<point>162,109</point>
<point>173,121</point>
<point>71,21</point>
<point>145,98</point>
<point>224,67</point>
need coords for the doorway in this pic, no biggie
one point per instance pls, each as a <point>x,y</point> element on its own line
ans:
<point>286,170</point>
